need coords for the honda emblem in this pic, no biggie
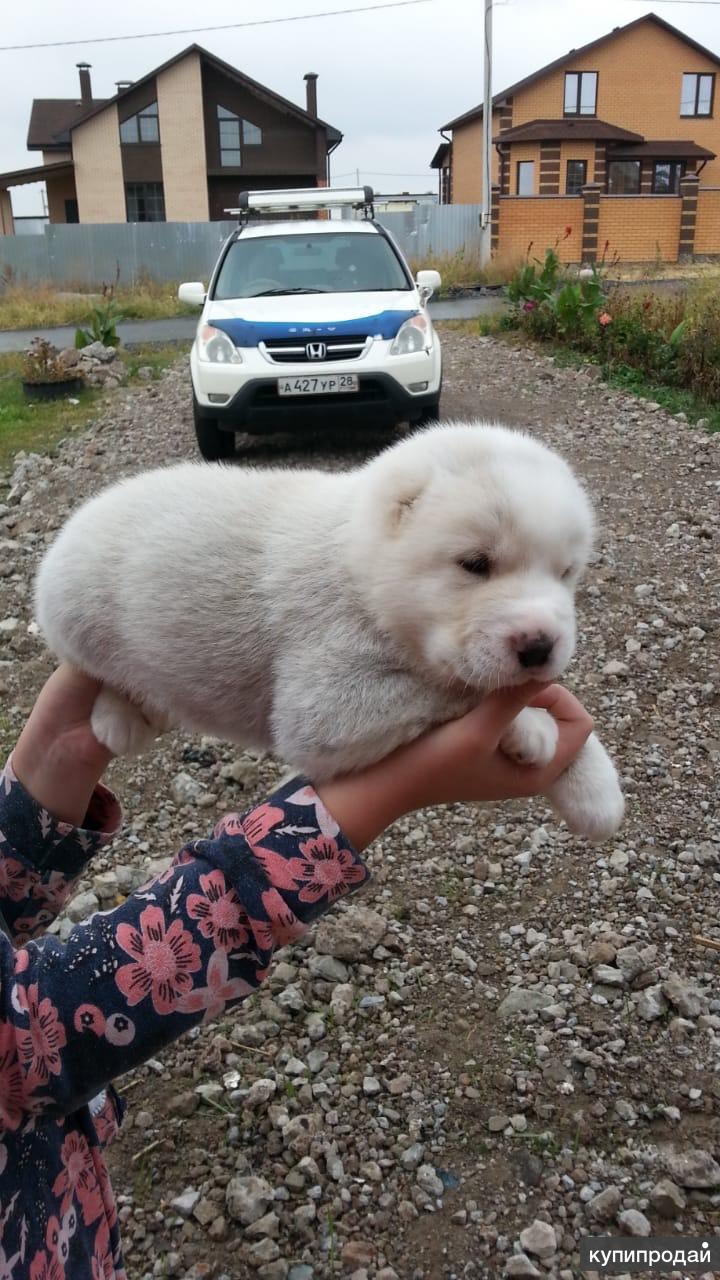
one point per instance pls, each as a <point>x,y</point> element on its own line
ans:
<point>316,350</point>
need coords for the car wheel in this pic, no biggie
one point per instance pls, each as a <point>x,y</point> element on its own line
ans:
<point>431,413</point>
<point>214,444</point>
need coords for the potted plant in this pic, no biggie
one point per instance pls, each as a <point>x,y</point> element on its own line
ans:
<point>44,376</point>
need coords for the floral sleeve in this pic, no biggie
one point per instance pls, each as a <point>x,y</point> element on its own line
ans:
<point>75,1015</point>
<point>41,858</point>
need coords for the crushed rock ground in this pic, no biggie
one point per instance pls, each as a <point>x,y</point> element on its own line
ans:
<point>512,1041</point>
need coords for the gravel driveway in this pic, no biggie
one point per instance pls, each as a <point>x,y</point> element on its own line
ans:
<point>513,1040</point>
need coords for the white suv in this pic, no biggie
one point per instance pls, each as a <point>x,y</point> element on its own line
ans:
<point>311,321</point>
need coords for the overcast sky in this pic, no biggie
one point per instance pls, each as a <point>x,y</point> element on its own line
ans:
<point>387,80</point>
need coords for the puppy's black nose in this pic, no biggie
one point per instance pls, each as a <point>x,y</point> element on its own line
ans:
<point>535,650</point>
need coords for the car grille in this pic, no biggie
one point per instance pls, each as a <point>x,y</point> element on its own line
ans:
<point>295,351</point>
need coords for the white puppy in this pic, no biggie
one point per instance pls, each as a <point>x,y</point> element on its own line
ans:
<point>331,617</point>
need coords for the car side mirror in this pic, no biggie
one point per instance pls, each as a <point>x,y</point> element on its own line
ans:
<point>428,282</point>
<point>193,292</point>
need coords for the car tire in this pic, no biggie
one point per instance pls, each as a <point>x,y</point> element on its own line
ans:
<point>431,413</point>
<point>213,443</point>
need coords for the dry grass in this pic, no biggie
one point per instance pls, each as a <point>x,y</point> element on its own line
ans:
<point>701,272</point>
<point>43,306</point>
<point>464,269</point>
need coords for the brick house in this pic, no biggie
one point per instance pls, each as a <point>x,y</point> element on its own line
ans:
<point>177,145</point>
<point>619,140</point>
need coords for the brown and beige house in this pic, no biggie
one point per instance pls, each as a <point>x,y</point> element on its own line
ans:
<point>627,126</point>
<point>177,145</point>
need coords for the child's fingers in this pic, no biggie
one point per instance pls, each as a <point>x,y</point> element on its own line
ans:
<point>562,705</point>
<point>496,713</point>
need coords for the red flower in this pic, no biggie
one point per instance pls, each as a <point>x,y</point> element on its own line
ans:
<point>40,1045</point>
<point>220,988</point>
<point>16,881</point>
<point>282,925</point>
<point>163,960</point>
<point>44,1268</point>
<point>79,1178</point>
<point>529,306</point>
<point>219,911</point>
<point>604,318</point>
<point>327,870</point>
<point>12,1092</point>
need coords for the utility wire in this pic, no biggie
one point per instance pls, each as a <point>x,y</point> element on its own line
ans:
<point>225,26</point>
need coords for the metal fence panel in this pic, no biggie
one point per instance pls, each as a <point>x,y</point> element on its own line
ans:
<point>435,230</point>
<point>90,254</point>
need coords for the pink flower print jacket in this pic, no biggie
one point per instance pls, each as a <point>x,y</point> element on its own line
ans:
<point>74,1016</point>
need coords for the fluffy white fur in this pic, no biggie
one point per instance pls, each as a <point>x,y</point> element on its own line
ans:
<point>327,616</point>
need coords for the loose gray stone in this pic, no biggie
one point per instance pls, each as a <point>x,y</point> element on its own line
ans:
<point>634,1223</point>
<point>604,1206</point>
<point>185,789</point>
<point>520,1000</point>
<point>520,1265</point>
<point>696,1169</point>
<point>247,1199</point>
<point>539,1238</point>
<point>667,1198</point>
<point>428,1180</point>
<point>350,934</point>
<point>185,1203</point>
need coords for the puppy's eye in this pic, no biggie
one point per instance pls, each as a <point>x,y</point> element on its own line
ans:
<point>478,565</point>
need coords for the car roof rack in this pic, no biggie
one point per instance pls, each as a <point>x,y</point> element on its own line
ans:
<point>303,200</point>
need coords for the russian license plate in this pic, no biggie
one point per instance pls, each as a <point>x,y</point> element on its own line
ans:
<point>318,385</point>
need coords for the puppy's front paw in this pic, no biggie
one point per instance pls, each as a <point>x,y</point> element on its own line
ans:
<point>121,726</point>
<point>588,795</point>
<point>531,738</point>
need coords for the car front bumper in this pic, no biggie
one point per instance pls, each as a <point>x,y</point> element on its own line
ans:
<point>390,390</point>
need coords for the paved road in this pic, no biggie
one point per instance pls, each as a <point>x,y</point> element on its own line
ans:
<point>182,328</point>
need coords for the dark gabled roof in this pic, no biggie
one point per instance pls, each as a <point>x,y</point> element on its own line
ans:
<point>668,150</point>
<point>440,156</point>
<point>36,173</point>
<point>574,54</point>
<point>51,120</point>
<point>272,98</point>
<point>588,130</point>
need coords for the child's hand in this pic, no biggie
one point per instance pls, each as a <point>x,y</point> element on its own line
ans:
<point>461,760</point>
<point>58,759</point>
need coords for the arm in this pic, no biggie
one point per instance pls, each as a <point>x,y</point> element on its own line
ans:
<point>199,937</point>
<point>195,940</point>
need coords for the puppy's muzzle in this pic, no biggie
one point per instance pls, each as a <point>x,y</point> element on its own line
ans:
<point>532,650</point>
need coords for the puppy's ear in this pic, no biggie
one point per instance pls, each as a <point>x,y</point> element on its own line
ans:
<point>403,496</point>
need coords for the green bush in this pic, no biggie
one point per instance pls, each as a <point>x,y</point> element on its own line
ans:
<point>101,326</point>
<point>671,339</point>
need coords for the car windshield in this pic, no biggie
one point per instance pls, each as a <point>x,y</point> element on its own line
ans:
<point>331,262</point>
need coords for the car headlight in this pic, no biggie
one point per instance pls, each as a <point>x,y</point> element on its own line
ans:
<point>412,336</point>
<point>214,346</point>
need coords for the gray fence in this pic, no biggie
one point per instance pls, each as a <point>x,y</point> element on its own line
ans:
<point>89,254</point>
<point>435,229</point>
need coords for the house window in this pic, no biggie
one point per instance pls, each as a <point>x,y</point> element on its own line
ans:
<point>623,178</point>
<point>142,127</point>
<point>72,213</point>
<point>526,177</point>
<point>580,93</point>
<point>232,131</point>
<point>666,177</point>
<point>576,177</point>
<point>698,91</point>
<point>145,202</point>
